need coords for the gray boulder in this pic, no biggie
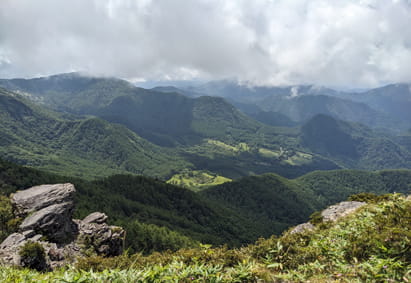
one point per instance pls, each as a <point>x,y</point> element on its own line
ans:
<point>36,198</point>
<point>332,213</point>
<point>335,212</point>
<point>103,239</point>
<point>54,222</point>
<point>302,228</point>
<point>95,217</point>
<point>49,210</point>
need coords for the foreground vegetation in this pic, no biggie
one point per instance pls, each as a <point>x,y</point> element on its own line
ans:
<point>372,245</point>
<point>159,216</point>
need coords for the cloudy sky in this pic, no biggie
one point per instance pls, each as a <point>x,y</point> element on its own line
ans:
<point>349,43</point>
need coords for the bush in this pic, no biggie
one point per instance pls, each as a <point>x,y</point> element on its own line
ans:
<point>370,197</point>
<point>32,255</point>
<point>316,218</point>
<point>8,224</point>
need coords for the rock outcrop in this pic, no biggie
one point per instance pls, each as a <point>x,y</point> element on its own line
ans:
<point>39,197</point>
<point>332,213</point>
<point>335,212</point>
<point>47,211</point>
<point>302,228</point>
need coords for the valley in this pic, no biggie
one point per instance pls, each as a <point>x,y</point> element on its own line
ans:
<point>178,169</point>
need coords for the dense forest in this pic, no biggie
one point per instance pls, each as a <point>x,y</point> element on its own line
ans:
<point>159,216</point>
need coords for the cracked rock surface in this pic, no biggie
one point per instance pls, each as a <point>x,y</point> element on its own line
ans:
<point>47,211</point>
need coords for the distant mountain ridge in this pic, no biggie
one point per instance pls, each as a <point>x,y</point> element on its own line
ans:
<point>354,145</point>
<point>384,107</point>
<point>165,131</point>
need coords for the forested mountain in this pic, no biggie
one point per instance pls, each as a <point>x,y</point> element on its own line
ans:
<point>71,92</point>
<point>378,108</point>
<point>393,99</point>
<point>201,133</point>
<point>207,132</point>
<point>353,145</point>
<point>84,147</point>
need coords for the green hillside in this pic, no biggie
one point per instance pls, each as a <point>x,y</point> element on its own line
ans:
<point>193,133</point>
<point>132,200</point>
<point>88,148</point>
<point>164,132</point>
<point>353,145</point>
<point>272,202</point>
<point>375,108</point>
<point>370,245</point>
<point>72,92</point>
<point>333,186</point>
<point>233,213</point>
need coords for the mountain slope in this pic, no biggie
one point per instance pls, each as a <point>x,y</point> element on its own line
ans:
<point>394,100</point>
<point>300,103</point>
<point>353,145</point>
<point>274,203</point>
<point>127,199</point>
<point>207,131</point>
<point>233,213</point>
<point>72,92</point>
<point>88,147</point>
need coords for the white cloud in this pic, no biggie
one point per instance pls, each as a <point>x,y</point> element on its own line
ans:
<point>341,42</point>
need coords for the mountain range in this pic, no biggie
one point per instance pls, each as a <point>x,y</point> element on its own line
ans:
<point>385,107</point>
<point>87,126</point>
<point>216,163</point>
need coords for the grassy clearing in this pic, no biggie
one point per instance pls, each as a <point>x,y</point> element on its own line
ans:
<point>197,180</point>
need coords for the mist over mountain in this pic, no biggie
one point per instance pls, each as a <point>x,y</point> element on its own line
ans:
<point>301,102</point>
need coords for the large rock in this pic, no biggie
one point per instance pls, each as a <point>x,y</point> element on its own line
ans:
<point>332,213</point>
<point>95,217</point>
<point>39,197</point>
<point>335,212</point>
<point>49,223</point>
<point>104,239</point>
<point>54,222</point>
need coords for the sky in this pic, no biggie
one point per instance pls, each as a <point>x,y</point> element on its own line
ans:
<point>346,43</point>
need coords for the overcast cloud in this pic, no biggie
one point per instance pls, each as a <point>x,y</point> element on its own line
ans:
<point>354,43</point>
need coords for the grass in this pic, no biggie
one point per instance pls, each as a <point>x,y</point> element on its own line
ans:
<point>372,245</point>
<point>197,180</point>
<point>240,147</point>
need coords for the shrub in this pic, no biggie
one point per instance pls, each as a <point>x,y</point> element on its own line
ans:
<point>32,255</point>
<point>369,197</point>
<point>316,218</point>
<point>8,224</point>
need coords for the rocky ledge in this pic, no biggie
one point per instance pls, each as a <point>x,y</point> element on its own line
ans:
<point>332,213</point>
<point>47,212</point>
